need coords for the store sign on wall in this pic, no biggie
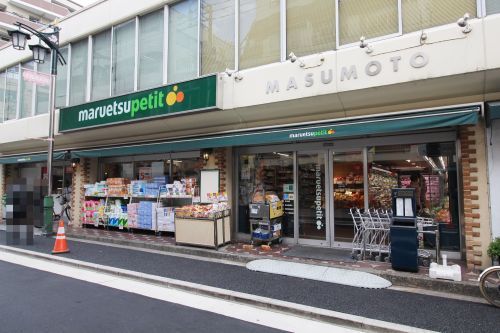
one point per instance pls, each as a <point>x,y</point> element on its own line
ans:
<point>195,95</point>
<point>351,72</point>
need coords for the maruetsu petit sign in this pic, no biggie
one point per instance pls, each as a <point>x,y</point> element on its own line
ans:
<point>194,95</point>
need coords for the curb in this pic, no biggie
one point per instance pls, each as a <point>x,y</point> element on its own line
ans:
<point>400,279</point>
<point>328,316</point>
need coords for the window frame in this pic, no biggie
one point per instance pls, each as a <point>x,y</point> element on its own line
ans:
<point>375,39</point>
<point>3,99</point>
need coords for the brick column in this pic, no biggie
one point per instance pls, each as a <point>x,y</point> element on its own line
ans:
<point>475,195</point>
<point>220,162</point>
<point>84,173</point>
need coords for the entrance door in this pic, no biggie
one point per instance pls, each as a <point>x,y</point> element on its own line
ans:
<point>313,228</point>
<point>348,191</point>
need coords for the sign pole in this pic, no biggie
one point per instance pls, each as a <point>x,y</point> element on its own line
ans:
<point>49,200</point>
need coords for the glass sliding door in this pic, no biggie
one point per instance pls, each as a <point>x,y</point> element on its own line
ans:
<point>348,192</point>
<point>311,188</point>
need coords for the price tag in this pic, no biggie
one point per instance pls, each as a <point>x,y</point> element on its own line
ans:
<point>96,223</point>
<point>254,211</point>
<point>120,227</point>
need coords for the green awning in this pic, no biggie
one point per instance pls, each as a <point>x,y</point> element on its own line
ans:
<point>403,122</point>
<point>492,112</point>
<point>30,158</point>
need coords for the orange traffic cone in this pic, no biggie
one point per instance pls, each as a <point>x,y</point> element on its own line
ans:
<point>60,246</point>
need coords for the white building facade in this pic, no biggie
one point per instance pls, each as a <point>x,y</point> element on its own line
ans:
<point>283,96</point>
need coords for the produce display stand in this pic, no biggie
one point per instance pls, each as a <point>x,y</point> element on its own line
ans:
<point>102,219</point>
<point>213,231</point>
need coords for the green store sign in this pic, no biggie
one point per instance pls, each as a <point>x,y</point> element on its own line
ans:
<point>194,95</point>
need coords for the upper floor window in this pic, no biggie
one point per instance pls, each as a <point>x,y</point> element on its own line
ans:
<point>492,6</point>
<point>2,94</point>
<point>259,32</point>
<point>123,69</point>
<point>11,89</point>
<point>101,65</point>
<point>62,80</point>
<point>78,72</point>
<point>422,14</point>
<point>183,41</point>
<point>27,91</point>
<point>42,92</point>
<point>217,35</point>
<point>310,26</point>
<point>151,50</point>
<point>368,18</point>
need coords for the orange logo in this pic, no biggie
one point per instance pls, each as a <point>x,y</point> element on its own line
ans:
<point>330,132</point>
<point>174,97</point>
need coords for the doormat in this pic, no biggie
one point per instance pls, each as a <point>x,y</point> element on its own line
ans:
<point>320,253</point>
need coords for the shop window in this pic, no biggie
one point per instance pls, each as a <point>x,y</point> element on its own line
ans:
<point>259,32</point>
<point>147,170</point>
<point>429,168</point>
<point>186,168</point>
<point>422,14</point>
<point>78,72</point>
<point>42,92</point>
<point>122,77</point>
<point>270,172</point>
<point>492,7</point>
<point>348,188</point>
<point>11,87</point>
<point>151,50</point>
<point>217,35</point>
<point>310,26</point>
<point>2,94</point>
<point>62,80</point>
<point>368,18</point>
<point>27,89</point>
<point>101,65</point>
<point>183,41</point>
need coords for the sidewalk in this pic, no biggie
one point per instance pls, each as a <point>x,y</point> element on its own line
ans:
<point>240,252</point>
<point>423,311</point>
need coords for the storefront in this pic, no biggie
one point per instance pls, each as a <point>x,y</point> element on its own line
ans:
<point>32,169</point>
<point>320,182</point>
<point>320,171</point>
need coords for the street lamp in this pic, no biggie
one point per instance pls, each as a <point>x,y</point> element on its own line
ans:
<point>19,39</point>
<point>39,52</point>
<point>50,42</point>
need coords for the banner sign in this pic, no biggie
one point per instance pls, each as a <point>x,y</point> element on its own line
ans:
<point>195,95</point>
<point>38,78</point>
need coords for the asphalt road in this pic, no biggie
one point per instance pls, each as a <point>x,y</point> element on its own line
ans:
<point>423,311</point>
<point>36,301</point>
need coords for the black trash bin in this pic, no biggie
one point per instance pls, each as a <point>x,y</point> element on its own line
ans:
<point>404,243</point>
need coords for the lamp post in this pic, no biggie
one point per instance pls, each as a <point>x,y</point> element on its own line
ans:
<point>51,41</point>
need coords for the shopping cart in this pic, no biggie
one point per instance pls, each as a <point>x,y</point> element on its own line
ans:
<point>371,233</point>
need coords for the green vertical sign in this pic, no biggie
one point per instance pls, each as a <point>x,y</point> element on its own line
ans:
<point>194,95</point>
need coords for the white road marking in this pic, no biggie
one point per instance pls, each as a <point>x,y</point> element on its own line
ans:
<point>235,310</point>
